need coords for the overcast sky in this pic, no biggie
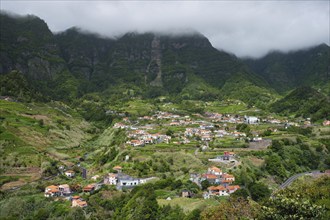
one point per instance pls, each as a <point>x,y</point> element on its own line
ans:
<point>245,28</point>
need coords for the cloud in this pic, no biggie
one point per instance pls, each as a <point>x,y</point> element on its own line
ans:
<point>245,28</point>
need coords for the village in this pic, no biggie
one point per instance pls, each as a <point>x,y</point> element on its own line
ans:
<point>202,129</point>
<point>220,184</point>
<point>153,130</point>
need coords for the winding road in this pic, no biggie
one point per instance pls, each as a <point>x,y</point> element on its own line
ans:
<point>296,176</point>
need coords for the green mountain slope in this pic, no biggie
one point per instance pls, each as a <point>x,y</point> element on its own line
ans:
<point>306,102</point>
<point>35,136</point>
<point>27,45</point>
<point>73,63</point>
<point>309,67</point>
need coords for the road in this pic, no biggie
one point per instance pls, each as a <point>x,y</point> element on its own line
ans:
<point>294,177</point>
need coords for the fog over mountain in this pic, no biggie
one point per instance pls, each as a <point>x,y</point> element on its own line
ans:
<point>245,28</point>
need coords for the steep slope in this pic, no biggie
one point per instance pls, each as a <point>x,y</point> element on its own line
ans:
<point>310,67</point>
<point>306,102</point>
<point>27,45</point>
<point>73,63</point>
<point>160,64</point>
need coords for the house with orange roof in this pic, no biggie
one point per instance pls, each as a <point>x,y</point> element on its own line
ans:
<point>118,168</point>
<point>228,177</point>
<point>52,191</point>
<point>211,178</point>
<point>215,170</point>
<point>232,189</point>
<point>218,191</point>
<point>78,202</point>
<point>89,188</point>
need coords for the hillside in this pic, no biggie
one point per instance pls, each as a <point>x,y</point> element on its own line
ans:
<point>37,137</point>
<point>286,71</point>
<point>68,65</point>
<point>305,102</point>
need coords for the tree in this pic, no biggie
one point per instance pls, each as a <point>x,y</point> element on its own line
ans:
<point>234,208</point>
<point>274,165</point>
<point>282,207</point>
<point>193,215</point>
<point>143,205</point>
<point>75,214</point>
<point>205,184</point>
<point>243,193</point>
<point>259,191</point>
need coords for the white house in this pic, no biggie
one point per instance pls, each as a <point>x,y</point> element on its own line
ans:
<point>111,179</point>
<point>127,181</point>
<point>251,120</point>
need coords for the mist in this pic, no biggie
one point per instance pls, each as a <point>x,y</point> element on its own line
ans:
<point>244,28</point>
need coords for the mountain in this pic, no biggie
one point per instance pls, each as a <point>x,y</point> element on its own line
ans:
<point>68,65</point>
<point>27,45</point>
<point>286,71</point>
<point>304,101</point>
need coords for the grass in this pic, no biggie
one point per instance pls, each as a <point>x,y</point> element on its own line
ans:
<point>138,107</point>
<point>189,204</point>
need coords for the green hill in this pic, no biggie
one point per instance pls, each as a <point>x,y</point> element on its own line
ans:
<point>286,71</point>
<point>304,101</point>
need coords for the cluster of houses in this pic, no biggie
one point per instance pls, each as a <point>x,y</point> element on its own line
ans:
<point>207,133</point>
<point>198,129</point>
<point>65,191</point>
<point>236,119</point>
<point>118,179</point>
<point>142,137</point>
<point>221,183</point>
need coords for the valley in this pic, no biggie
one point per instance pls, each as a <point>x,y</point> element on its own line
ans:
<point>170,143</point>
<point>157,126</point>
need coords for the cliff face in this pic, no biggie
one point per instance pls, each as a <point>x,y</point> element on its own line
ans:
<point>149,60</point>
<point>29,46</point>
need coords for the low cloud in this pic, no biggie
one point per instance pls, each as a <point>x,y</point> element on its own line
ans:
<point>245,28</point>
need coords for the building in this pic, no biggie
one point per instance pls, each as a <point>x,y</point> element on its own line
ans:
<point>232,189</point>
<point>127,181</point>
<point>211,178</point>
<point>326,123</point>
<point>214,170</point>
<point>118,169</point>
<point>228,177</point>
<point>251,120</point>
<point>186,193</point>
<point>69,173</point>
<point>52,191</point>
<point>111,179</point>
<point>78,202</point>
<point>96,177</point>
<point>218,191</point>
<point>64,190</point>
<point>89,188</point>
